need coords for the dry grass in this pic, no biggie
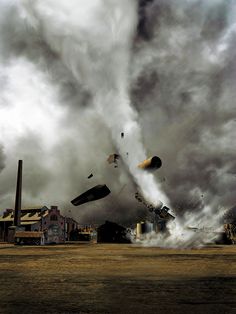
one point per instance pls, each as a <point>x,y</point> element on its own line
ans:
<point>109,278</point>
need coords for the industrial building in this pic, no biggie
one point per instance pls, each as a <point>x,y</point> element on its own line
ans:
<point>85,232</point>
<point>42,224</point>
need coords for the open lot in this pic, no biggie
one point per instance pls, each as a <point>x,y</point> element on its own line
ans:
<point>117,278</point>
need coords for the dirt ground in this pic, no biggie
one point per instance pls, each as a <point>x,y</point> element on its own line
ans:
<point>117,278</point>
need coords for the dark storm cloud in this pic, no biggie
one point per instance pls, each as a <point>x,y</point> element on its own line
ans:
<point>143,28</point>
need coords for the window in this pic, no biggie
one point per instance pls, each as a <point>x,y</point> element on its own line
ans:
<point>53,218</point>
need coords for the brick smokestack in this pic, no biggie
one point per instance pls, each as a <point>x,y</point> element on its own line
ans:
<point>17,212</point>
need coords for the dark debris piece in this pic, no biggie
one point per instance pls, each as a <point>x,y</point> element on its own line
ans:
<point>113,158</point>
<point>93,194</point>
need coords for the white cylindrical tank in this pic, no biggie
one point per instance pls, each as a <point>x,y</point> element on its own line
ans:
<point>143,228</point>
<point>138,230</point>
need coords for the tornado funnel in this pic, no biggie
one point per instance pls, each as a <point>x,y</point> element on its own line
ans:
<point>151,163</point>
<point>93,194</point>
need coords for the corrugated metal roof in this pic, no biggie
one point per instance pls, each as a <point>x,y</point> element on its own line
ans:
<point>33,208</point>
<point>28,216</point>
<point>28,234</point>
<point>25,217</point>
<point>23,223</point>
<point>45,214</point>
<point>7,218</point>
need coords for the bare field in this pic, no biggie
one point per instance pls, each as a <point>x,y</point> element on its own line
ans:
<point>117,278</point>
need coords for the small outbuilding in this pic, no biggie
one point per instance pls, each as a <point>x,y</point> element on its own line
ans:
<point>111,232</point>
<point>29,237</point>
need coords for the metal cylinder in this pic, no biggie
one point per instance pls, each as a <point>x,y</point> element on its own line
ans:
<point>138,230</point>
<point>151,163</point>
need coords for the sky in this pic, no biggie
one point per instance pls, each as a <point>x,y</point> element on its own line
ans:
<point>74,76</point>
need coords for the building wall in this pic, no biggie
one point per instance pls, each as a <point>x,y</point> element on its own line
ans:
<point>70,227</point>
<point>4,231</point>
<point>53,226</point>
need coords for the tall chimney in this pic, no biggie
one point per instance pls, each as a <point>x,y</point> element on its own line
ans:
<point>17,212</point>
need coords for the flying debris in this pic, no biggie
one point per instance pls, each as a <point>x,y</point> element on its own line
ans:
<point>122,134</point>
<point>93,194</point>
<point>160,213</point>
<point>151,163</point>
<point>90,176</point>
<point>113,158</point>
<point>164,213</point>
<point>139,197</point>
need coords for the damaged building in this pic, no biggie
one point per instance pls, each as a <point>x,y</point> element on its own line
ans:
<point>48,225</point>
